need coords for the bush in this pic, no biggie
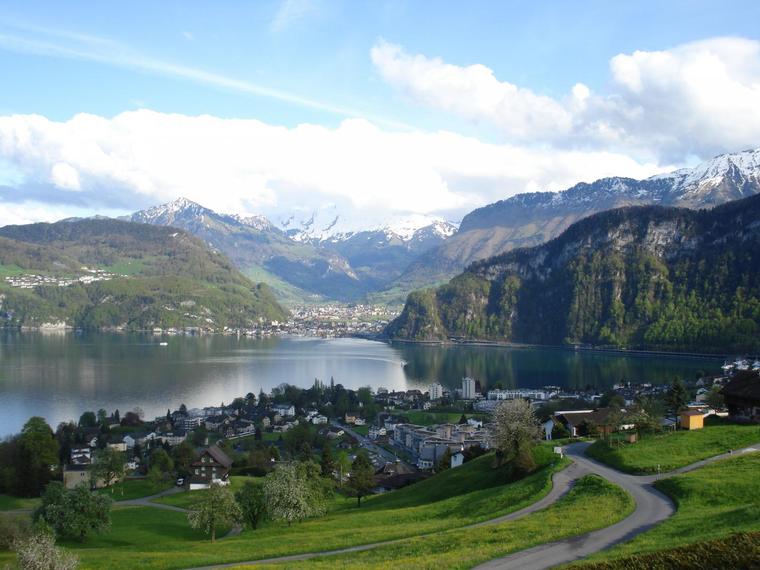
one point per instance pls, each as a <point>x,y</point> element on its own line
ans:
<point>740,550</point>
<point>38,551</point>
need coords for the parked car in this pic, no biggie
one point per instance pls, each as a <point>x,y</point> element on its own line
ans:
<point>180,482</point>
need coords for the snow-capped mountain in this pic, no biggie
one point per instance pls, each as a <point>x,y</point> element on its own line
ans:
<point>331,225</point>
<point>533,218</point>
<point>328,258</point>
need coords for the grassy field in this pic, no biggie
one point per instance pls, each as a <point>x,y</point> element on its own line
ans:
<point>8,503</point>
<point>132,489</point>
<point>361,430</point>
<point>187,499</point>
<point>427,418</point>
<point>593,503</point>
<point>713,502</point>
<point>152,538</point>
<point>674,450</point>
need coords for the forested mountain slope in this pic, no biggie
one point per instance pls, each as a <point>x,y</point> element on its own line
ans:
<point>645,277</point>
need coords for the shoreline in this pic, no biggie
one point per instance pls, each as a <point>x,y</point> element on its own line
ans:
<point>390,341</point>
<point>574,348</point>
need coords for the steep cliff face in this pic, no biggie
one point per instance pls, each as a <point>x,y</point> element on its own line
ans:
<point>648,277</point>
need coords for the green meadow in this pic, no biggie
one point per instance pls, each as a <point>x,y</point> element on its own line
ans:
<point>153,538</point>
<point>712,502</point>
<point>677,449</point>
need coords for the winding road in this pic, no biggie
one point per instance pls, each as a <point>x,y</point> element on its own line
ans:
<point>652,507</point>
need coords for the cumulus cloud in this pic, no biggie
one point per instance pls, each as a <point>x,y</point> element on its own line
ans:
<point>699,98</point>
<point>140,158</point>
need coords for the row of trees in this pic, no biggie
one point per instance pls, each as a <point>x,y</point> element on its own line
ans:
<point>291,493</point>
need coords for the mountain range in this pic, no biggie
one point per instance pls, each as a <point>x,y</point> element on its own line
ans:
<point>106,273</point>
<point>651,277</point>
<point>301,265</point>
<point>318,257</point>
<point>533,218</point>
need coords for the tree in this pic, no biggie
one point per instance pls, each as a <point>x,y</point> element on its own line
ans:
<point>88,419</point>
<point>74,513</point>
<point>160,459</point>
<point>290,496</point>
<point>611,399</point>
<point>250,499</point>
<point>183,456</point>
<point>37,551</point>
<point>462,420</point>
<point>108,466</point>
<point>362,479</point>
<point>37,455</point>
<point>218,507</point>
<point>516,431</point>
<point>714,398</point>
<point>327,462</point>
<point>343,465</point>
<point>131,419</point>
<point>200,435</point>
<point>677,397</point>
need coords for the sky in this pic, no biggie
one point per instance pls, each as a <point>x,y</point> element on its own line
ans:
<point>375,110</point>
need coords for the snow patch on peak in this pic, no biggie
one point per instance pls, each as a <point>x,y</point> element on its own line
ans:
<point>256,221</point>
<point>746,163</point>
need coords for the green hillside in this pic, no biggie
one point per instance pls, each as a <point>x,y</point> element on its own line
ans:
<point>156,277</point>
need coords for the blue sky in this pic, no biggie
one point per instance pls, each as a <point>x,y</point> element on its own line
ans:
<point>403,67</point>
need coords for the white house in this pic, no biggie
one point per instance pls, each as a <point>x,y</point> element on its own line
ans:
<point>285,410</point>
<point>435,391</point>
<point>375,432</point>
<point>457,459</point>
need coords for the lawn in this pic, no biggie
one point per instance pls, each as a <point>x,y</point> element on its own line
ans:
<point>428,418</point>
<point>676,449</point>
<point>592,503</point>
<point>361,430</point>
<point>714,501</point>
<point>187,499</point>
<point>454,498</point>
<point>132,489</point>
<point>8,503</point>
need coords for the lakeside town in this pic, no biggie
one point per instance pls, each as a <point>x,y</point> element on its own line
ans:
<point>410,432</point>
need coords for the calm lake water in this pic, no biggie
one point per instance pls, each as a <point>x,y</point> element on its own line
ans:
<point>58,376</point>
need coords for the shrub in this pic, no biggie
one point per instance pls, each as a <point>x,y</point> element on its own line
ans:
<point>38,551</point>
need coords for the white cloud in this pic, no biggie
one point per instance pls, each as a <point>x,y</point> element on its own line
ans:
<point>289,12</point>
<point>144,157</point>
<point>700,98</point>
<point>64,176</point>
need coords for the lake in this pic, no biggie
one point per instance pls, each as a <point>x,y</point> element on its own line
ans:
<point>60,375</point>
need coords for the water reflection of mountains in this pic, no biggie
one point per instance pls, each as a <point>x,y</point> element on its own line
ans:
<point>535,367</point>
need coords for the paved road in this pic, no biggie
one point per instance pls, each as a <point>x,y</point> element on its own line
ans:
<point>148,501</point>
<point>370,445</point>
<point>652,507</point>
